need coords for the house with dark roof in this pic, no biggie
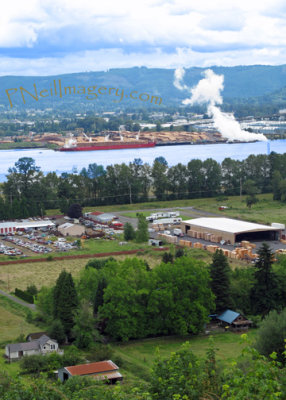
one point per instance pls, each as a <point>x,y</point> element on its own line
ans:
<point>234,320</point>
<point>35,335</point>
<point>42,345</point>
<point>102,370</point>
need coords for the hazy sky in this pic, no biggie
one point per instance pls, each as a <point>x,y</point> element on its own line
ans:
<point>51,37</point>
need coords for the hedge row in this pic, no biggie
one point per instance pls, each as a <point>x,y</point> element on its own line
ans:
<point>24,296</point>
<point>115,253</point>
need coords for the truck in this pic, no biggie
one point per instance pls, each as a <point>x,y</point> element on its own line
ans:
<point>178,232</point>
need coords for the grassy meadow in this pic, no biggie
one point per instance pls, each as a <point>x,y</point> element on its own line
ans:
<point>138,356</point>
<point>265,211</point>
<point>13,320</point>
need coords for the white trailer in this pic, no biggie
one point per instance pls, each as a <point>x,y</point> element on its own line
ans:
<point>168,214</point>
<point>168,221</point>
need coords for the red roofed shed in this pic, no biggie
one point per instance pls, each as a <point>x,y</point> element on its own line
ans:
<point>103,370</point>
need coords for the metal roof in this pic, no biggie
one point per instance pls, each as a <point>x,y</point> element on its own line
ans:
<point>228,316</point>
<point>105,217</point>
<point>229,225</point>
<point>92,368</point>
<point>107,375</point>
<point>66,225</point>
<point>26,224</point>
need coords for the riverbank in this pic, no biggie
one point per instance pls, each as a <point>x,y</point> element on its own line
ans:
<point>26,145</point>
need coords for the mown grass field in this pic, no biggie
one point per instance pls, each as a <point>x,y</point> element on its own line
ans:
<point>265,211</point>
<point>12,324</point>
<point>12,320</point>
<point>139,356</point>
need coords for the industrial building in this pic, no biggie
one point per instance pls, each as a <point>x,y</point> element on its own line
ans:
<point>69,229</point>
<point>229,230</point>
<point>11,226</point>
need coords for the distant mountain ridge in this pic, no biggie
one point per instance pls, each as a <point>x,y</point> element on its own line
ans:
<point>261,82</point>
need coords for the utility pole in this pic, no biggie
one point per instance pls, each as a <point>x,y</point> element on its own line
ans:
<point>130,194</point>
<point>240,188</point>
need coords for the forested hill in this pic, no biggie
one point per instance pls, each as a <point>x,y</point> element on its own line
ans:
<point>243,84</point>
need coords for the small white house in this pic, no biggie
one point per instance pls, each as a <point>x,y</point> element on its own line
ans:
<point>43,345</point>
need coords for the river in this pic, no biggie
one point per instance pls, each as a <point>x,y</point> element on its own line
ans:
<point>50,160</point>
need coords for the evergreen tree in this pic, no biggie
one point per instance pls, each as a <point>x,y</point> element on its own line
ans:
<point>264,292</point>
<point>220,281</point>
<point>57,332</point>
<point>142,229</point>
<point>98,298</point>
<point>75,211</point>
<point>65,301</point>
<point>276,182</point>
<point>129,232</point>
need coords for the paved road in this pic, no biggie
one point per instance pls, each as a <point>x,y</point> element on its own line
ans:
<point>19,301</point>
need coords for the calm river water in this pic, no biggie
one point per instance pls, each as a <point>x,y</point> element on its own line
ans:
<point>50,160</point>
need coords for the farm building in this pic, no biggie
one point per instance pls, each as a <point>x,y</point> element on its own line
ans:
<point>232,230</point>
<point>69,229</point>
<point>11,226</point>
<point>234,320</point>
<point>102,370</point>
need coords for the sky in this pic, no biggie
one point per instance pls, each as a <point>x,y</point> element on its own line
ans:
<point>57,37</point>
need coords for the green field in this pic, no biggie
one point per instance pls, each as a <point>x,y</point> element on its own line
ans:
<point>138,356</point>
<point>265,211</point>
<point>12,320</point>
<point>12,325</point>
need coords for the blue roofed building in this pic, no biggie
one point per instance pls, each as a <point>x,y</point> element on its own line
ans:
<point>234,320</point>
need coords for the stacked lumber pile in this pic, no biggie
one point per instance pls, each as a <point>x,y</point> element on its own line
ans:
<point>186,243</point>
<point>205,236</point>
<point>168,238</point>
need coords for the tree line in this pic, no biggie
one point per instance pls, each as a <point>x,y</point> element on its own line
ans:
<point>28,192</point>
<point>126,299</point>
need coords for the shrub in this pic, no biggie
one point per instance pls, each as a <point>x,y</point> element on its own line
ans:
<point>100,352</point>
<point>272,334</point>
<point>33,364</point>
<point>24,296</point>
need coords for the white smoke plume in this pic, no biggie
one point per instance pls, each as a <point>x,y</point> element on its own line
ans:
<point>208,91</point>
<point>179,76</point>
